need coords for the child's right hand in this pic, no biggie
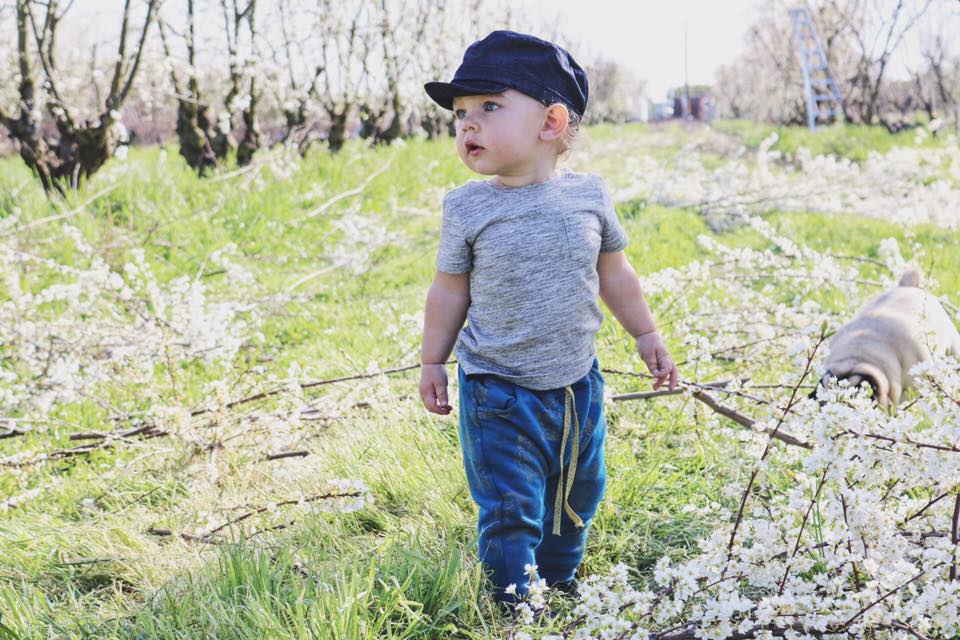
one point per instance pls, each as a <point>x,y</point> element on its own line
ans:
<point>433,388</point>
<point>654,354</point>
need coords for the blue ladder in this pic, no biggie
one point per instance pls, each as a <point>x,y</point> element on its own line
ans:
<point>823,94</point>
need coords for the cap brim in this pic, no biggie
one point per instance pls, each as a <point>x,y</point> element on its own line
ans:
<point>443,93</point>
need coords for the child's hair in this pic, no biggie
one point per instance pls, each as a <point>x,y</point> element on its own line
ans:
<point>572,131</point>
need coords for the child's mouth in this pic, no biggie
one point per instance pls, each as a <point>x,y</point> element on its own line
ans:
<point>473,149</point>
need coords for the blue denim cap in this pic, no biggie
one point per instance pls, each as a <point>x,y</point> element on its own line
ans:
<point>510,60</point>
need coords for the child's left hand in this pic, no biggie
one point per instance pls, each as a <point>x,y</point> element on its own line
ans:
<point>654,354</point>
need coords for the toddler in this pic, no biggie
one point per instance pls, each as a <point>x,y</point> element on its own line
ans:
<point>523,256</point>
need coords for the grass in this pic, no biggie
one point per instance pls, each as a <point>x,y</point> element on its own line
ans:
<point>849,141</point>
<point>79,562</point>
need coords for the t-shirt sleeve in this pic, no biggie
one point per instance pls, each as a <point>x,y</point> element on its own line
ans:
<point>613,237</point>
<point>454,255</point>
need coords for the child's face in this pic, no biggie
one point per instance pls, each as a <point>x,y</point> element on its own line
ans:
<point>499,134</point>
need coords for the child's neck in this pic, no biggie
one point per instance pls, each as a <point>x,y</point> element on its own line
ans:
<point>541,172</point>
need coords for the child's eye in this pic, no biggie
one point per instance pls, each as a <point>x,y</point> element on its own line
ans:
<point>490,106</point>
<point>459,114</point>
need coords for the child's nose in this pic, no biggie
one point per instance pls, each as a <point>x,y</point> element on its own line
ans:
<point>468,122</point>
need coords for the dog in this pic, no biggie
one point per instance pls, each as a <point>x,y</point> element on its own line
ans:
<point>892,332</point>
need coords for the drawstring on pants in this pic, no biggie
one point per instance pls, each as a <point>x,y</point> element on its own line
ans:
<point>563,492</point>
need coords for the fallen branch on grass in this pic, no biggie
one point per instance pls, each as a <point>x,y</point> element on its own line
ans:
<point>98,435</point>
<point>350,193</point>
<point>106,443</point>
<point>287,454</point>
<point>61,216</point>
<point>164,533</point>
<point>309,385</point>
<point>208,536</point>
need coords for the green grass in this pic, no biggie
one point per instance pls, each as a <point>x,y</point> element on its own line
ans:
<point>79,562</point>
<point>843,140</point>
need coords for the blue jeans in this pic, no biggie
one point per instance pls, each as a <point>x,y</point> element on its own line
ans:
<point>511,438</point>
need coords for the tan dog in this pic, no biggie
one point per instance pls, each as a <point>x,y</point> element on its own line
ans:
<point>892,332</point>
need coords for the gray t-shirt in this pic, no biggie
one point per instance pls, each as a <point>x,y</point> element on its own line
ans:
<point>532,256</point>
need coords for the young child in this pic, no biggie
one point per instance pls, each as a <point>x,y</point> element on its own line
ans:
<point>523,256</point>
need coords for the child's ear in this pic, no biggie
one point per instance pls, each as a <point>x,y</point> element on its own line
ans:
<point>555,122</point>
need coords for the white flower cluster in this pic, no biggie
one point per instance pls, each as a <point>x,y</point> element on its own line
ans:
<point>360,237</point>
<point>906,185</point>
<point>753,305</point>
<point>66,329</point>
<point>862,543</point>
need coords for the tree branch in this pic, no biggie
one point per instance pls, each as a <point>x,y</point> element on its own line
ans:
<point>121,55</point>
<point>136,59</point>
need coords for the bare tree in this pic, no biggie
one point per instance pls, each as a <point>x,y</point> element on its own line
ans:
<point>207,136</point>
<point>346,36</point>
<point>877,35</point>
<point>942,74</point>
<point>764,82</point>
<point>322,62</point>
<point>403,31</point>
<point>234,20</point>
<point>616,93</point>
<point>79,148</point>
<point>295,96</point>
<point>860,39</point>
<point>195,127</point>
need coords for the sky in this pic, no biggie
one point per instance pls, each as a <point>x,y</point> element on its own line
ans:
<point>647,36</point>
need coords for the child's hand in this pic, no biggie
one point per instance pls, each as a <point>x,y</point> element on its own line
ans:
<point>654,354</point>
<point>433,388</point>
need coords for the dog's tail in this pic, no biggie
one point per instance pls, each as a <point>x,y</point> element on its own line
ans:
<point>912,276</point>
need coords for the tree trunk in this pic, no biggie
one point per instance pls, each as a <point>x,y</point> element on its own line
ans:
<point>195,131</point>
<point>251,135</point>
<point>338,129</point>
<point>79,151</point>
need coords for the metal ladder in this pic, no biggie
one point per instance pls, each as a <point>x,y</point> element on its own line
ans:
<point>823,94</point>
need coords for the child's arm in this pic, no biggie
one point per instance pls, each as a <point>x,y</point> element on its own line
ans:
<point>445,312</point>
<point>620,291</point>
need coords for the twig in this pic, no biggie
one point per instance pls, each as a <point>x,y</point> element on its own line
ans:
<point>646,395</point>
<point>903,626</point>
<point>349,193</point>
<point>737,347</point>
<point>97,435</point>
<point>749,423</point>
<point>766,450</point>
<point>154,531</point>
<point>209,539</point>
<point>906,441</point>
<point>313,498</point>
<point>77,563</point>
<point>856,570</point>
<point>242,170</point>
<point>863,610</point>
<point>134,501</point>
<point>803,525</point>
<point>955,534</point>
<point>287,454</point>
<point>308,385</point>
<point>85,449</point>
<point>61,216</point>
<point>927,506</point>
<point>799,276</point>
<point>873,261</point>
<point>701,385</point>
